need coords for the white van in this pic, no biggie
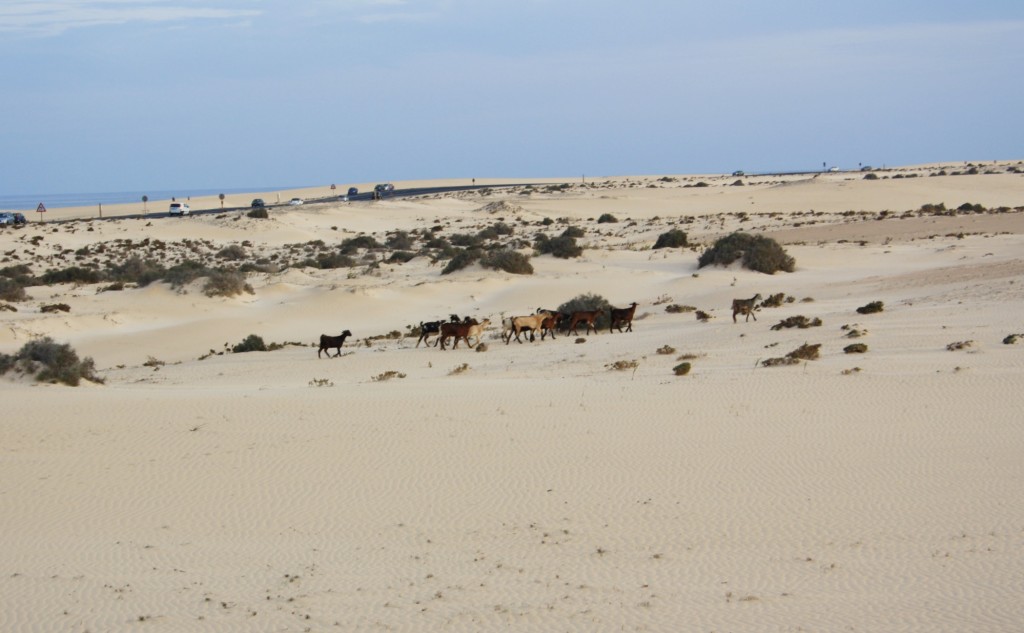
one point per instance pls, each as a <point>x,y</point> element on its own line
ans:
<point>179,208</point>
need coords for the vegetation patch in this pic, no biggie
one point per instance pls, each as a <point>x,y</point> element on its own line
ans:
<point>798,321</point>
<point>1012,339</point>
<point>388,375</point>
<point>959,345</point>
<point>804,352</point>
<point>509,261</point>
<point>251,343</point>
<point>675,308</point>
<point>623,365</point>
<point>666,349</point>
<point>55,307</point>
<point>607,218</point>
<point>703,316</point>
<point>855,348</point>
<point>674,238</point>
<point>755,252</point>
<point>871,308</point>
<point>49,361</point>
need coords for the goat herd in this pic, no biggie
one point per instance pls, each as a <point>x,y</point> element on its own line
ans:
<point>543,321</point>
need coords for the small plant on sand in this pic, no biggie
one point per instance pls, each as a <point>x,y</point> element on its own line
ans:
<point>459,369</point>
<point>804,352</point>
<point>563,246</point>
<point>798,321</point>
<point>774,301</point>
<point>258,213</point>
<point>508,261</point>
<point>606,218</point>
<point>851,371</point>
<point>1012,339</point>
<point>462,259</point>
<point>855,348</point>
<point>623,365</point>
<point>251,343</point>
<point>388,375</point>
<point>11,290</point>
<point>675,308</point>
<point>666,349</point>
<point>703,316</point>
<point>55,307</point>
<point>50,361</point>
<point>755,252</point>
<point>226,283</point>
<point>871,308</point>
<point>321,382</point>
<point>674,238</point>
<point>959,345</point>
<point>681,369</point>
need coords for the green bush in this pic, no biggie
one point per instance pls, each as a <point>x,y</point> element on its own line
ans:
<point>259,213</point>
<point>71,274</point>
<point>11,290</point>
<point>226,283</point>
<point>463,258</point>
<point>400,241</point>
<point>50,362</point>
<point>233,252</point>
<point>400,257</point>
<point>327,261</point>
<point>137,270</point>
<point>756,252</point>
<point>353,244</point>
<point>252,343</point>
<point>573,231</point>
<point>587,302</point>
<point>185,273</point>
<point>20,273</point>
<point>508,261</point>
<point>465,240</point>
<point>607,218</point>
<point>675,238</point>
<point>871,308</point>
<point>563,246</point>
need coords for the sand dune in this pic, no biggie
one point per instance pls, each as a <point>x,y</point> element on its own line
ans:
<point>532,486</point>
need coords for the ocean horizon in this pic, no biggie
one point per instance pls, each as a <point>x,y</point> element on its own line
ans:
<point>29,202</point>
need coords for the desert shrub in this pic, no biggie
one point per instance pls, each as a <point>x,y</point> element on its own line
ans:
<point>675,308</point>
<point>573,231</point>
<point>20,273</point>
<point>703,316</point>
<point>400,257</point>
<point>587,302</point>
<point>855,348</point>
<point>71,274</point>
<point>226,283</point>
<point>804,352</point>
<point>666,349</point>
<point>674,238</point>
<point>387,375</point>
<point>774,301</point>
<point>562,246</point>
<point>328,261</point>
<point>756,252</point>
<point>55,307</point>
<point>258,213</point>
<point>185,273</point>
<point>623,365</point>
<point>11,290</point>
<point>50,361</point>
<point>465,240</point>
<point>463,258</point>
<point>798,321</point>
<point>508,261</point>
<point>232,252</point>
<point>251,343</point>
<point>871,176</point>
<point>1012,339</point>
<point>141,272</point>
<point>681,369</point>
<point>607,218</point>
<point>959,345</point>
<point>871,308</point>
<point>354,244</point>
<point>400,241</point>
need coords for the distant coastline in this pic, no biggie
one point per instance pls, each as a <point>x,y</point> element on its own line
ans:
<point>29,202</point>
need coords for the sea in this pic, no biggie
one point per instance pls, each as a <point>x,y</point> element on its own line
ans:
<point>31,202</point>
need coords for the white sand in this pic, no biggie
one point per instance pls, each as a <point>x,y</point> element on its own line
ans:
<point>538,489</point>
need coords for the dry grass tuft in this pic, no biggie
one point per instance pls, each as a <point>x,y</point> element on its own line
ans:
<point>388,375</point>
<point>666,349</point>
<point>856,348</point>
<point>871,308</point>
<point>959,345</point>
<point>464,367</point>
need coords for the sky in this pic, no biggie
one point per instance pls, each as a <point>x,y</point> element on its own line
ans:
<point>125,95</point>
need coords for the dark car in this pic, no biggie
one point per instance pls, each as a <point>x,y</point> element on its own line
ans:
<point>352,191</point>
<point>12,219</point>
<point>258,203</point>
<point>384,188</point>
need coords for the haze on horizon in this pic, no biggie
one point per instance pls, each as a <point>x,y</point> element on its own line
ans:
<point>117,95</point>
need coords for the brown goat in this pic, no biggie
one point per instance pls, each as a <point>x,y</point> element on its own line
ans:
<point>622,315</point>
<point>589,317</point>
<point>745,306</point>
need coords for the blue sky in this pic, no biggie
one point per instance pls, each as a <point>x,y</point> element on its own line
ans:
<point>110,95</point>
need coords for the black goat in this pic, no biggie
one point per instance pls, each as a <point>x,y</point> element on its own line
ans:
<point>328,343</point>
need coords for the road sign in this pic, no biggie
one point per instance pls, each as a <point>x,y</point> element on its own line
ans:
<point>41,208</point>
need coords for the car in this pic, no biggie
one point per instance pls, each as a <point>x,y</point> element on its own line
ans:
<point>738,172</point>
<point>179,208</point>
<point>352,191</point>
<point>295,202</point>
<point>258,203</point>
<point>6,219</point>
<point>833,169</point>
<point>384,188</point>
